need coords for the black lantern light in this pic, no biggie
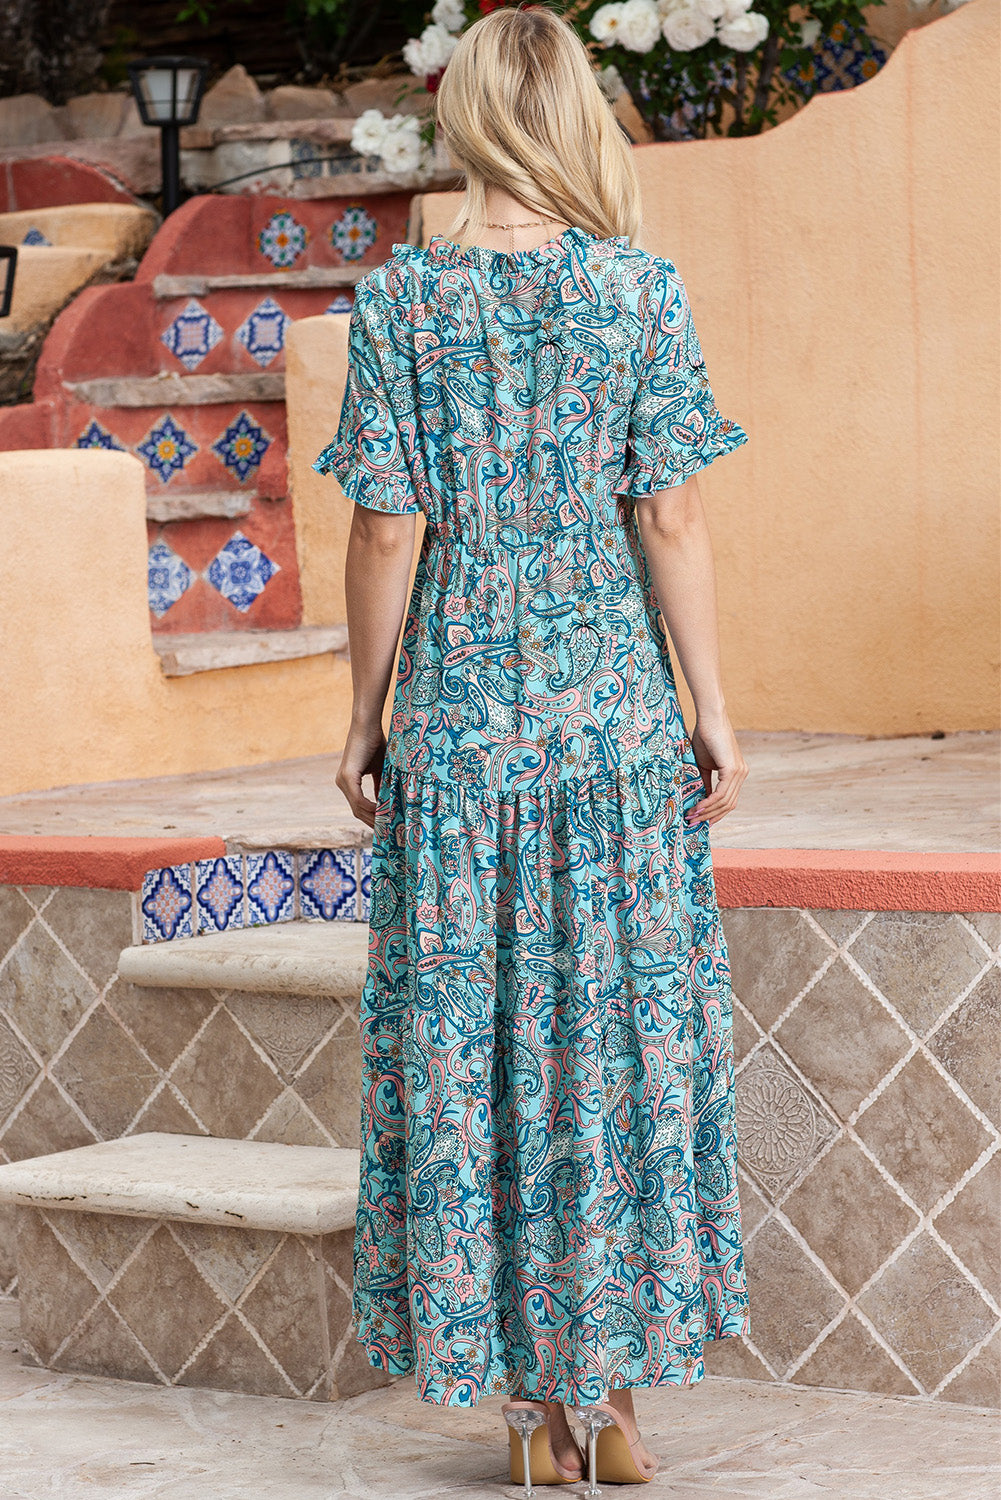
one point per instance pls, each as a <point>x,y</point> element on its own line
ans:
<point>8,265</point>
<point>168,91</point>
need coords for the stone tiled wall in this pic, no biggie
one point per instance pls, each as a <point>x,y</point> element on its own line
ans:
<point>868,1099</point>
<point>87,1056</point>
<point>867,1090</point>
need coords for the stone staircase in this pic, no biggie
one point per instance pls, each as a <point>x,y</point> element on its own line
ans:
<point>184,367</point>
<point>209,1260</point>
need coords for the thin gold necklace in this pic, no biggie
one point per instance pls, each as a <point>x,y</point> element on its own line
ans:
<point>526,224</point>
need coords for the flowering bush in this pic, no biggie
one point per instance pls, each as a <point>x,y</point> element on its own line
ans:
<point>686,64</point>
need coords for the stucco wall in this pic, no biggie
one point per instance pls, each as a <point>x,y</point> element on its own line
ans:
<point>842,269</point>
<point>84,697</point>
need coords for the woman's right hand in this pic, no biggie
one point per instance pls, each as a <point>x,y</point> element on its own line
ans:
<point>715,747</point>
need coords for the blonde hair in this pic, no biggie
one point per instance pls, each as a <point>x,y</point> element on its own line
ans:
<point>519,107</point>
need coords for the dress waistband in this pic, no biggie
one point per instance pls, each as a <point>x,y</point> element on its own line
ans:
<point>511,536</point>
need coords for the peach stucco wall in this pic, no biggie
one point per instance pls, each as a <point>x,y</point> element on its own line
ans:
<point>843,272</point>
<point>84,698</point>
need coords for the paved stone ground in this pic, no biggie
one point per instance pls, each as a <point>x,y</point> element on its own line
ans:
<point>803,791</point>
<point>73,1436</point>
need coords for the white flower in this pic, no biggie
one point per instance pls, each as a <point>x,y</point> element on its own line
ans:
<point>450,14</point>
<point>429,52</point>
<point>610,82</point>
<point>734,8</point>
<point>714,9</point>
<point>665,7</point>
<point>369,132</point>
<point>745,32</point>
<point>605,23</point>
<point>688,28</point>
<point>639,25</point>
<point>809,32</point>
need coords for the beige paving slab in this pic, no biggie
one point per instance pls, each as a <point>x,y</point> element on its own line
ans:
<point>804,791</point>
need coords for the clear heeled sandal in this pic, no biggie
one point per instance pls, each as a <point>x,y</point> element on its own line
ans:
<point>532,1458</point>
<point>611,1455</point>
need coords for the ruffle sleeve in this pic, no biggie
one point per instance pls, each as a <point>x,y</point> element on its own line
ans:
<point>370,455</point>
<point>675,426</point>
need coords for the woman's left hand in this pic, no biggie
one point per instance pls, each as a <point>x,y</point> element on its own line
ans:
<point>363,755</point>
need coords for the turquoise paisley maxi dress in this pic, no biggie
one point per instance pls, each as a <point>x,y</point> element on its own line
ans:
<point>548,1196</point>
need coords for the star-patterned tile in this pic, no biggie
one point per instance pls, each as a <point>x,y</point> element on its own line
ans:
<point>239,571</point>
<point>353,232</point>
<point>282,240</point>
<point>341,303</point>
<point>262,333</point>
<point>242,446</point>
<point>166,448</point>
<point>96,436</point>
<point>191,335</point>
<point>168,578</point>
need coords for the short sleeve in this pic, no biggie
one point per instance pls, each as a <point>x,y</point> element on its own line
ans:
<point>369,455</point>
<point>675,427</point>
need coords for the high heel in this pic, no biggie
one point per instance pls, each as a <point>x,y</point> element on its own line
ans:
<point>532,1458</point>
<point>611,1457</point>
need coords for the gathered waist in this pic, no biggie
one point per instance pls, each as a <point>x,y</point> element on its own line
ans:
<point>513,538</point>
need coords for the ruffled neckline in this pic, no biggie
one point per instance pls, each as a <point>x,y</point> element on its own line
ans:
<point>445,251</point>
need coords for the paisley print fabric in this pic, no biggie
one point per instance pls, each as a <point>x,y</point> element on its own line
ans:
<point>548,1194</point>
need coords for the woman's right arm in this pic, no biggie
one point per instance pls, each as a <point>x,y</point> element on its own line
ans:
<point>675,534</point>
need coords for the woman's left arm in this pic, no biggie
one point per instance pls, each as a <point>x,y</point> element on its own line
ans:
<point>376,582</point>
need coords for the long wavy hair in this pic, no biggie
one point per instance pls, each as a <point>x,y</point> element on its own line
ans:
<point>519,108</point>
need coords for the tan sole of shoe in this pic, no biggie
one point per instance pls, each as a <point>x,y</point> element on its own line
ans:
<point>543,1471</point>
<point>614,1462</point>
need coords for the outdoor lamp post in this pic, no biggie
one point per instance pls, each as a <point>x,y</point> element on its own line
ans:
<point>168,91</point>
<point>8,265</point>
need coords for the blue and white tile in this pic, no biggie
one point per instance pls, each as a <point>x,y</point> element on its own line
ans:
<point>219,893</point>
<point>282,240</point>
<point>270,887</point>
<point>242,446</point>
<point>166,904</point>
<point>341,303</point>
<point>36,237</point>
<point>262,333</point>
<point>166,448</point>
<point>168,577</point>
<point>240,571</point>
<point>192,335</point>
<point>328,887</point>
<point>365,884</point>
<point>96,436</point>
<point>354,232</point>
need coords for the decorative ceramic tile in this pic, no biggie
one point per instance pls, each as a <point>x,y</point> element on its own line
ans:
<point>270,887</point>
<point>166,448</point>
<point>192,334</point>
<point>96,436</point>
<point>262,333</point>
<point>239,571</point>
<point>327,884</point>
<point>341,303</point>
<point>307,161</point>
<point>219,891</point>
<point>353,232</point>
<point>35,237</point>
<point>168,578</point>
<point>840,60</point>
<point>282,240</point>
<point>242,446</point>
<point>166,904</point>
<point>365,884</point>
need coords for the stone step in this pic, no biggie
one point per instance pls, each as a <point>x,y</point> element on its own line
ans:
<point>194,1179</point>
<point>165,286</point>
<point>192,505</point>
<point>172,389</point>
<point>329,959</point>
<point>184,655</point>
